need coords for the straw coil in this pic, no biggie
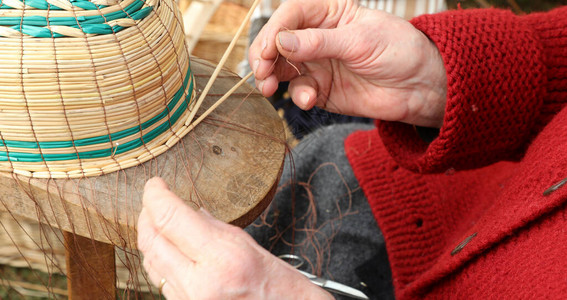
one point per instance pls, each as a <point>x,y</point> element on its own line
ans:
<point>90,87</point>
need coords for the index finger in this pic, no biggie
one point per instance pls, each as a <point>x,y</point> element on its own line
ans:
<point>292,15</point>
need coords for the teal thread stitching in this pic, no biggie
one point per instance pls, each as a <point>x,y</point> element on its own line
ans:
<point>33,25</point>
<point>34,157</point>
<point>44,5</point>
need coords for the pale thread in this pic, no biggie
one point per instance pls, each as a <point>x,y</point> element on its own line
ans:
<point>221,63</point>
<point>115,148</point>
<point>287,58</point>
<point>296,69</point>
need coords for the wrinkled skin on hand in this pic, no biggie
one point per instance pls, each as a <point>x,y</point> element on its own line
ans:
<point>351,60</point>
<point>204,258</point>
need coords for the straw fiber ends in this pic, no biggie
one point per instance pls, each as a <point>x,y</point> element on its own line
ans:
<point>104,92</point>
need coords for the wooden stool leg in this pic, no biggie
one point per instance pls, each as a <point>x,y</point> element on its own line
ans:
<point>91,269</point>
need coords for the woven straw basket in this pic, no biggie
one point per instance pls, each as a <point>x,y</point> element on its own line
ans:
<point>90,87</point>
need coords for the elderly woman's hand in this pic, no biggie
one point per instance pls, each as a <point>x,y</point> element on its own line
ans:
<point>203,258</point>
<point>351,60</point>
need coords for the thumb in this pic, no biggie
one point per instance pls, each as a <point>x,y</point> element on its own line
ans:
<point>311,44</point>
<point>156,183</point>
<point>155,191</point>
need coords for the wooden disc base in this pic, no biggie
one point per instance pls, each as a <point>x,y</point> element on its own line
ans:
<point>230,164</point>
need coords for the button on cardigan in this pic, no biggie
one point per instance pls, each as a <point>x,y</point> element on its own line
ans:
<point>482,180</point>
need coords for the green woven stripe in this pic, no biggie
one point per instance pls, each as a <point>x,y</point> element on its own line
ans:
<point>44,5</point>
<point>33,25</point>
<point>69,21</point>
<point>34,157</point>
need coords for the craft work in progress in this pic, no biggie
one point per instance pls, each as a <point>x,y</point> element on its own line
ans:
<point>97,97</point>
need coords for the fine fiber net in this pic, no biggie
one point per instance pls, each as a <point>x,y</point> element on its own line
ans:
<point>94,101</point>
<point>228,164</point>
<point>95,98</point>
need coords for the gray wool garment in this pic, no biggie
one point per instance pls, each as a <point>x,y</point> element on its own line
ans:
<point>338,235</point>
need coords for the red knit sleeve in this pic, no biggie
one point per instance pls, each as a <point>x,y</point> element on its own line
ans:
<point>506,78</point>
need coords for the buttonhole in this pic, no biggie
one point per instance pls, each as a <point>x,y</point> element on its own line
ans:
<point>555,187</point>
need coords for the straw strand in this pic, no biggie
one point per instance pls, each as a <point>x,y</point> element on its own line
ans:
<point>218,102</point>
<point>222,62</point>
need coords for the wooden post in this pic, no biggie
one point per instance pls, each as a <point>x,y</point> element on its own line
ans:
<point>196,17</point>
<point>91,269</point>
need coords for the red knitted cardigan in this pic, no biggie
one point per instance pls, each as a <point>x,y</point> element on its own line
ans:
<point>465,217</point>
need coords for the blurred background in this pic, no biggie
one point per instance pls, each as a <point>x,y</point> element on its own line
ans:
<point>225,19</point>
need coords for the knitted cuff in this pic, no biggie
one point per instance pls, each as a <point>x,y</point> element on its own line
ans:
<point>495,89</point>
<point>551,30</point>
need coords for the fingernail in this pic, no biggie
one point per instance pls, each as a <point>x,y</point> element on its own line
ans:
<point>156,182</point>
<point>260,85</point>
<point>304,98</point>
<point>265,43</point>
<point>288,40</point>
<point>255,65</point>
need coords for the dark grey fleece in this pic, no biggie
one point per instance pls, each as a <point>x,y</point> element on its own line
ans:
<point>356,255</point>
